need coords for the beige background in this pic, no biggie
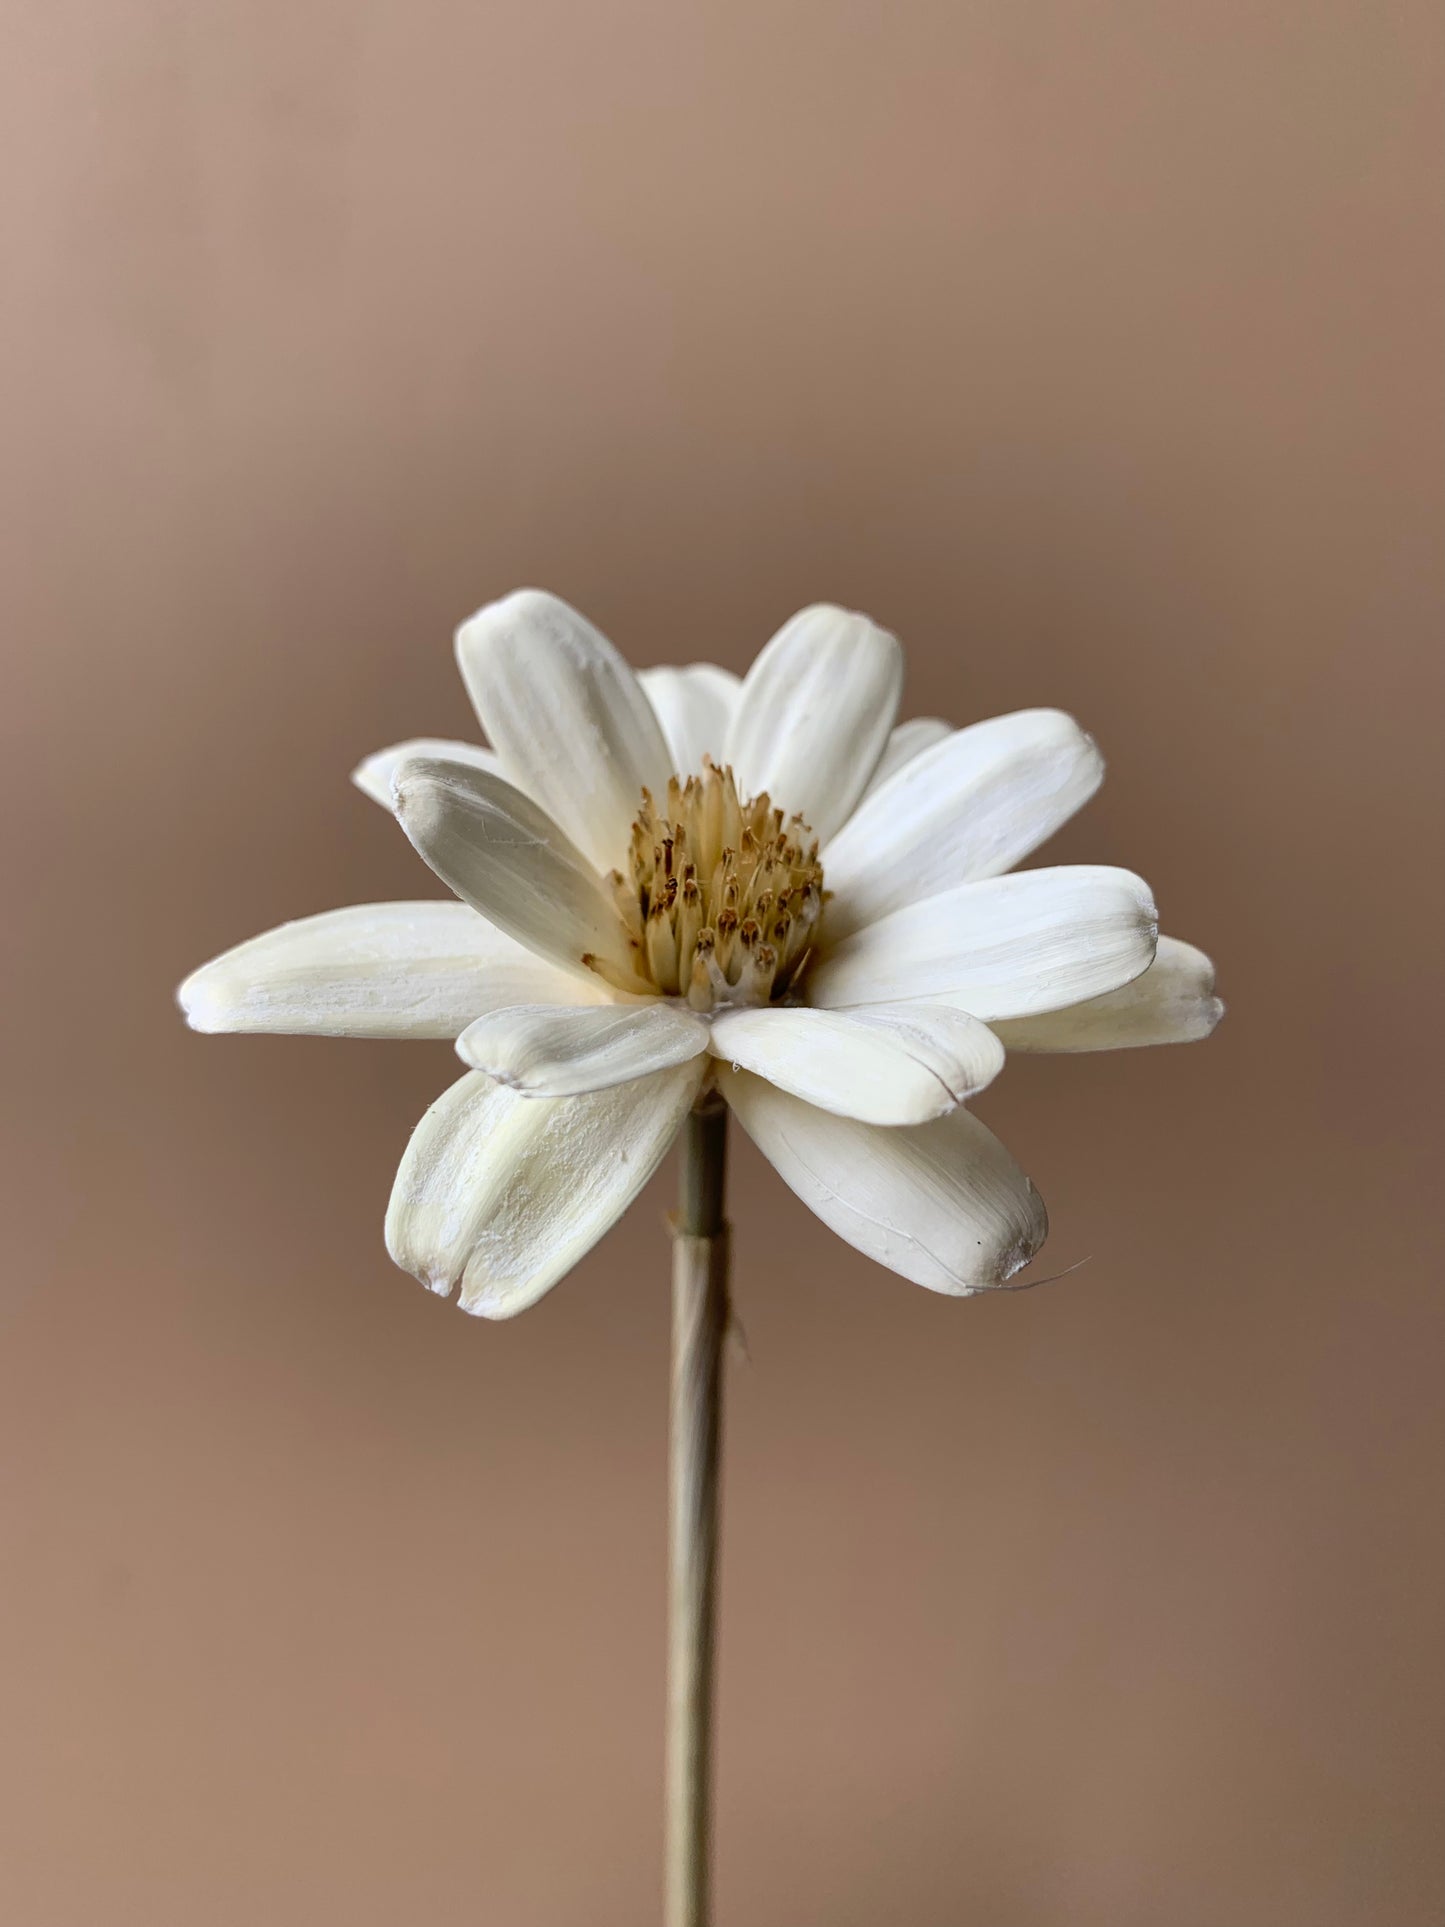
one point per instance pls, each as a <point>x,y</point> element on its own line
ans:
<point>1097,350</point>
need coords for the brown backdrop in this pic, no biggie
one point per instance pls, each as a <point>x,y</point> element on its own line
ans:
<point>1096,350</point>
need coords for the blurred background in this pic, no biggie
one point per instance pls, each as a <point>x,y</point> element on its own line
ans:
<point>1096,350</point>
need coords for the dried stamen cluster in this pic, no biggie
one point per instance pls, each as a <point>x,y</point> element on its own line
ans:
<point>722,898</point>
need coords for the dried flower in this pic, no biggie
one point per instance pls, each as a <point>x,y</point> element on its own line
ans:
<point>676,879</point>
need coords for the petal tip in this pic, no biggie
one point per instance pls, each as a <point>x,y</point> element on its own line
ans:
<point>493,620</point>
<point>1148,909</point>
<point>202,1009</point>
<point>497,1307</point>
<point>436,1279</point>
<point>370,778</point>
<point>411,785</point>
<point>1016,1258</point>
<point>1029,1243</point>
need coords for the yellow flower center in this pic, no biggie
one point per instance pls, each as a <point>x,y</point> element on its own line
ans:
<point>722,897</point>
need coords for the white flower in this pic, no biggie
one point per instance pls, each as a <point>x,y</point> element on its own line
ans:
<point>678,877</point>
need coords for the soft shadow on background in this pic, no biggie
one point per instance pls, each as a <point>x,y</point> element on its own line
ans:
<point>1096,350</point>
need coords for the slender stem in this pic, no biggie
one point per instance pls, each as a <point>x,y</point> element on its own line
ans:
<point>699,1321</point>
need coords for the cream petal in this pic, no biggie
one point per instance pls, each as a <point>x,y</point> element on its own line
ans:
<point>375,773</point>
<point>908,740</point>
<point>569,719</point>
<point>372,970</point>
<point>510,861</point>
<point>814,714</point>
<point>546,1051</point>
<point>887,1064</point>
<point>942,1203</point>
<point>1006,947</point>
<point>1173,1002</point>
<point>695,707</point>
<point>971,806</point>
<point>503,1194</point>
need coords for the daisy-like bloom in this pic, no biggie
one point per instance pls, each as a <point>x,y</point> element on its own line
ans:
<point>675,882</point>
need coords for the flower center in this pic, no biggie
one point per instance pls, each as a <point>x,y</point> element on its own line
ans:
<point>722,897</point>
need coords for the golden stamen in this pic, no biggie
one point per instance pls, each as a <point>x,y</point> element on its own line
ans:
<point>720,896</point>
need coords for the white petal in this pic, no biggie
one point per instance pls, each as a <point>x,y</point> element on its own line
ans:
<point>1172,1003</point>
<point>943,1203</point>
<point>375,773</point>
<point>814,714</point>
<point>887,1064</point>
<point>506,858</point>
<point>503,1194</point>
<point>1006,947</point>
<point>545,1051</point>
<point>373,970</point>
<point>972,806</point>
<point>908,740</point>
<point>568,718</point>
<point>695,708</point>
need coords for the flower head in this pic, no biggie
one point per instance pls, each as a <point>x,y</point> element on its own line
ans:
<point>674,881</point>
